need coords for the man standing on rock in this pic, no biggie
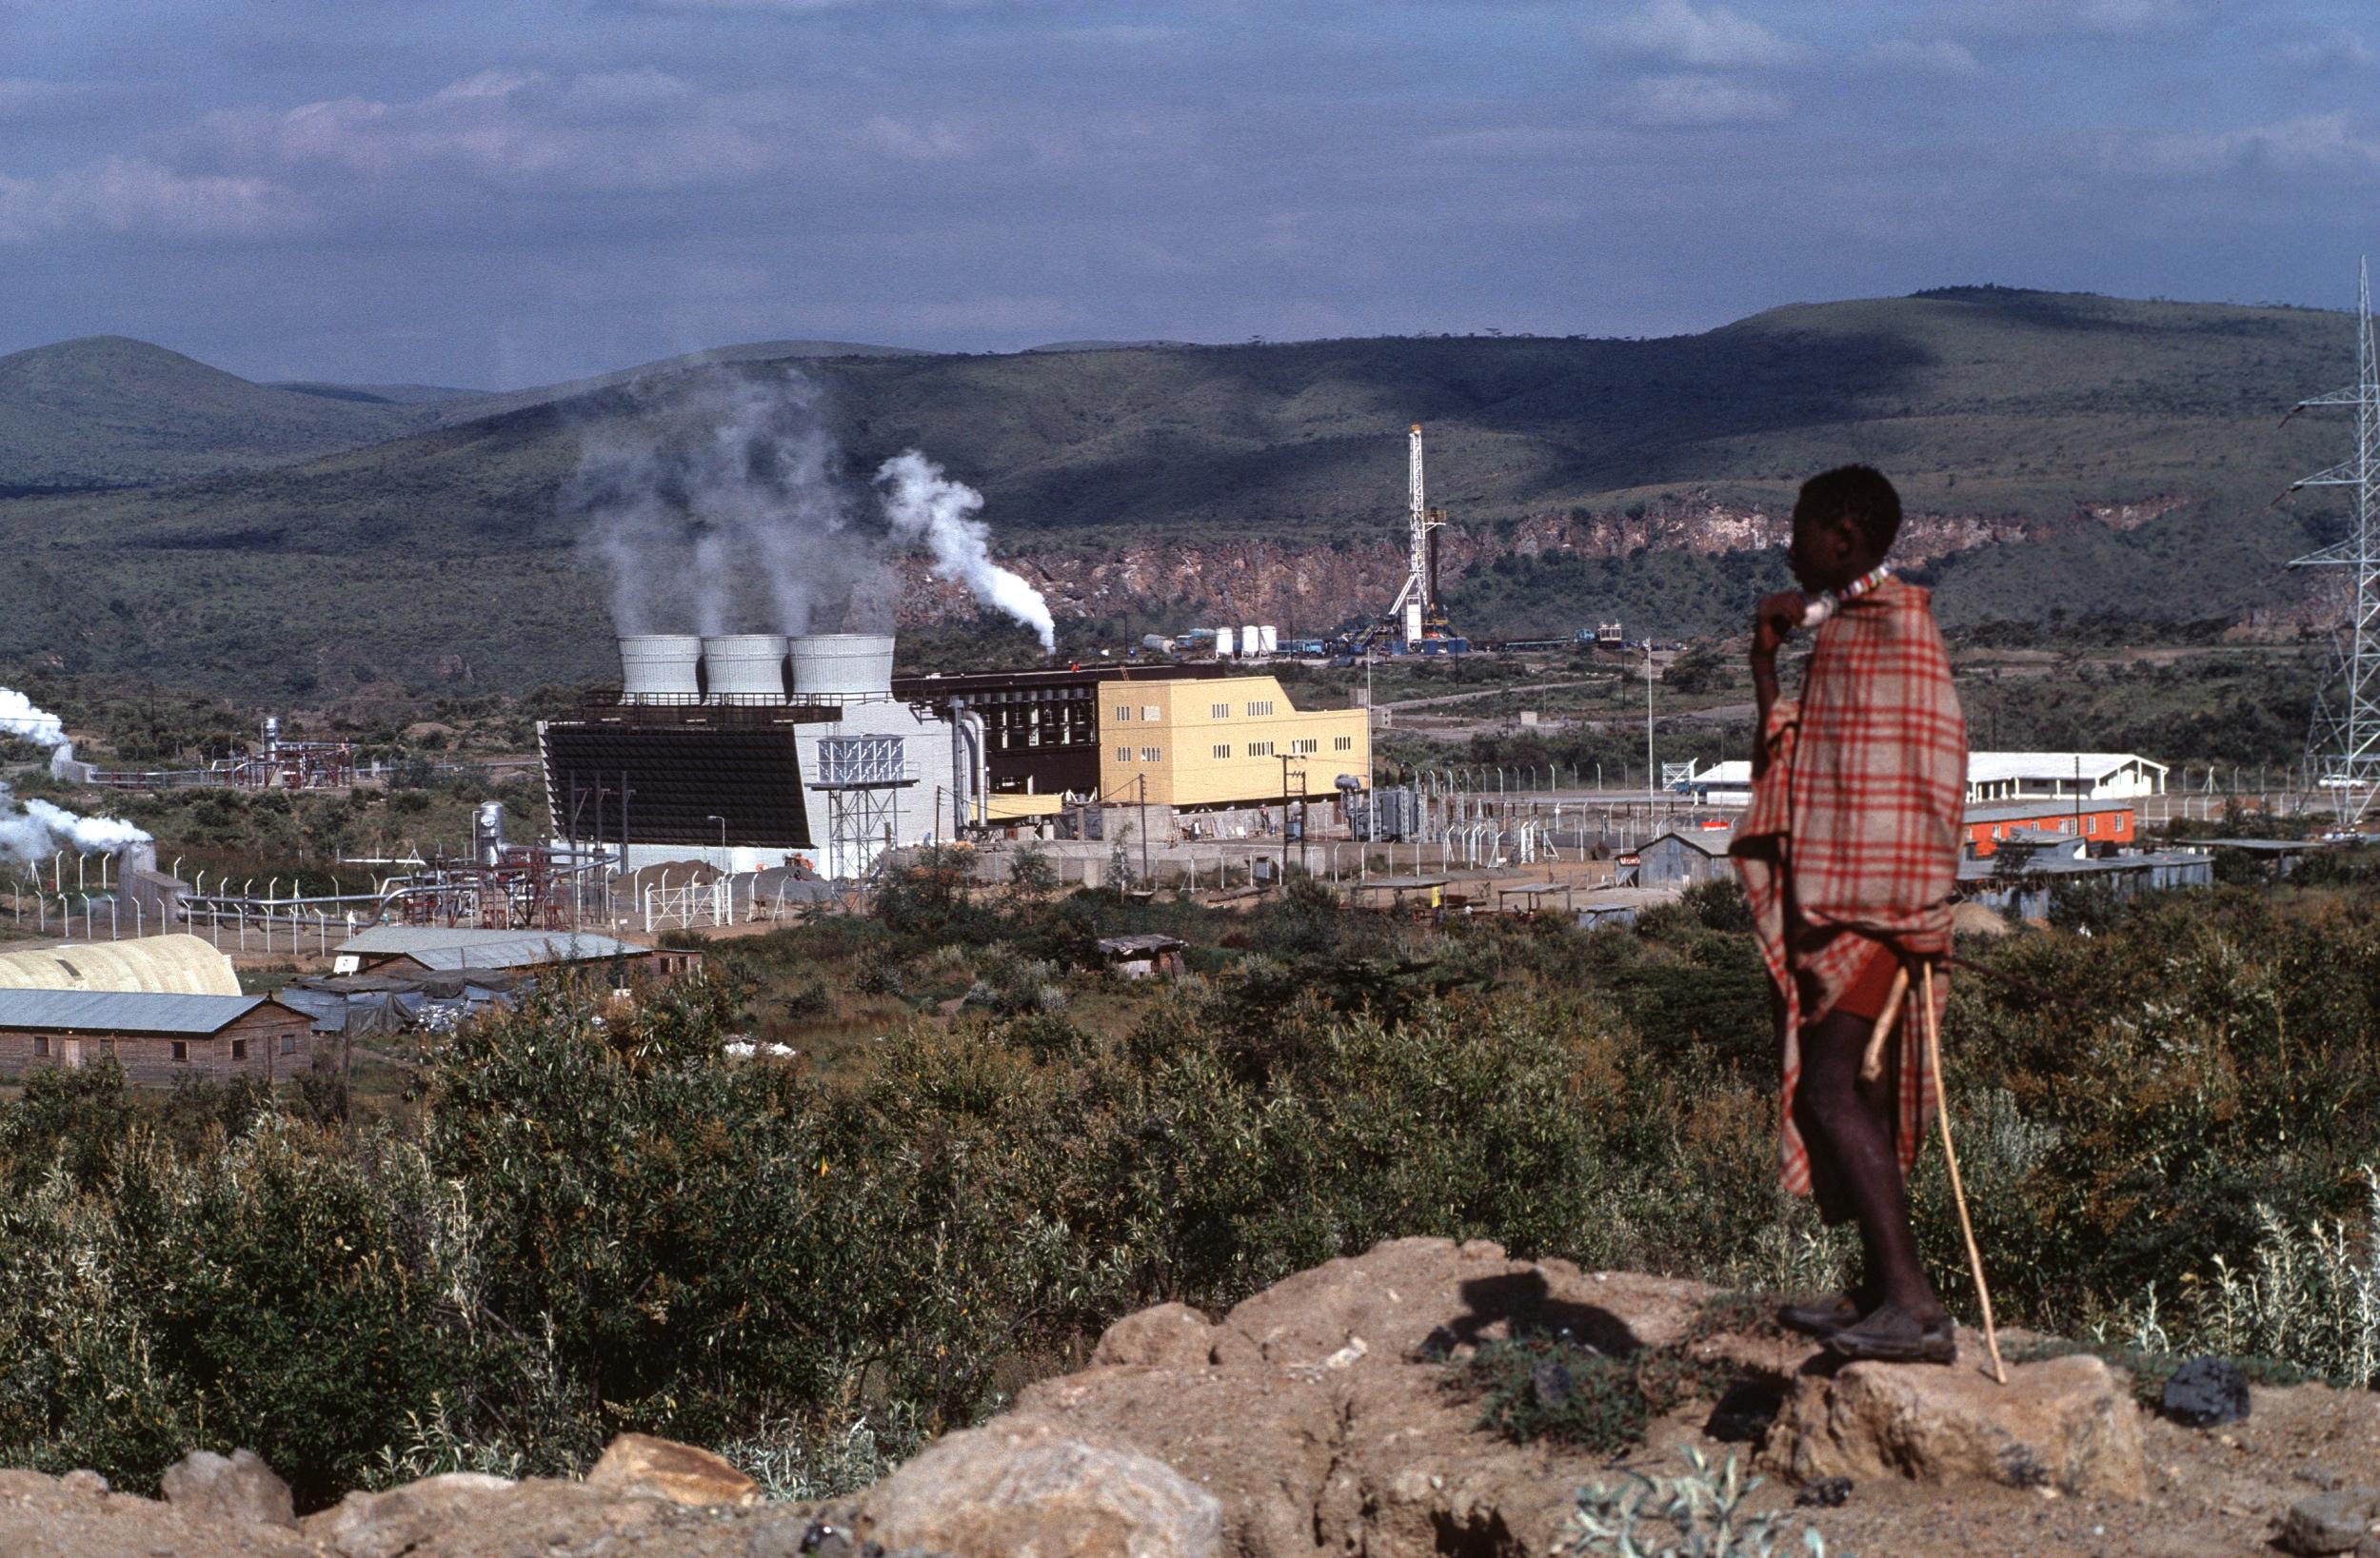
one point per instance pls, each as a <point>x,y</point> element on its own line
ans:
<point>1848,856</point>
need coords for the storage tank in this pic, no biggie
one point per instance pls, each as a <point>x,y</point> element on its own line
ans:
<point>1268,640</point>
<point>660,666</point>
<point>1248,639</point>
<point>843,664</point>
<point>745,667</point>
<point>1225,640</point>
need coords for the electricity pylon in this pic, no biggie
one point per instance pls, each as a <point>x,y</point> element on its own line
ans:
<point>2343,745</point>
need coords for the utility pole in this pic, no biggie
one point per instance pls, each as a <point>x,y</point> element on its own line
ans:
<point>2343,746</point>
<point>1652,775</point>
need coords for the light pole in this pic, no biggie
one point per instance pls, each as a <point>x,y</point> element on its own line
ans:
<point>713,817</point>
<point>1652,775</point>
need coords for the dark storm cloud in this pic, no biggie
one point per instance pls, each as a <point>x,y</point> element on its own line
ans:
<point>504,191</point>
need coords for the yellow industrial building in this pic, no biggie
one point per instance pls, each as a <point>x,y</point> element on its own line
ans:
<point>1221,741</point>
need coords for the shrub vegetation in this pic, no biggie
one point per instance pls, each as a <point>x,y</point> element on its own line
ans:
<point>591,1221</point>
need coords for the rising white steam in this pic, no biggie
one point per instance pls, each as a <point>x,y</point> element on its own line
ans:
<point>34,829</point>
<point>20,719</point>
<point>927,508</point>
<point>714,508</point>
<point>717,503</point>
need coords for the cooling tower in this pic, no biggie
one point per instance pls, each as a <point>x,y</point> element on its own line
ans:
<point>745,667</point>
<point>842,665</point>
<point>660,666</point>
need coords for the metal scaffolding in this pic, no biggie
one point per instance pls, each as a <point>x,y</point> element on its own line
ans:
<point>863,778</point>
<point>2343,745</point>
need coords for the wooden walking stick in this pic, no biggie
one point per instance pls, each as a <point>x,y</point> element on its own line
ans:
<point>1950,1156</point>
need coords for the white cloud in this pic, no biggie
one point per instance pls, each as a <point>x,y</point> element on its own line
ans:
<point>914,143</point>
<point>1935,57</point>
<point>25,98</point>
<point>2317,143</point>
<point>134,195</point>
<point>1715,38</point>
<point>1676,101</point>
<point>622,130</point>
<point>2101,18</point>
<point>2340,50</point>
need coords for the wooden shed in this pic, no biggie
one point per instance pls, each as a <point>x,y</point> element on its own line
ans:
<point>157,1038</point>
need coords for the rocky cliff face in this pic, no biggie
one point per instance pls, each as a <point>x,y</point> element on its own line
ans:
<point>1288,582</point>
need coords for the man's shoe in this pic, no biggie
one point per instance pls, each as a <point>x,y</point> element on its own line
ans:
<point>1891,1336</point>
<point>1821,1319</point>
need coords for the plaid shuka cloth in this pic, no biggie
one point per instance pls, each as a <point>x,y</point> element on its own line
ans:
<point>1853,835</point>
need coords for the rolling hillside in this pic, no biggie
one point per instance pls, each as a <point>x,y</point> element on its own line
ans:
<point>105,411</point>
<point>2064,453</point>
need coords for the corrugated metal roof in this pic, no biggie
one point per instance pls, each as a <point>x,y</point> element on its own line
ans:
<point>124,1011</point>
<point>1984,768</point>
<point>438,947</point>
<point>178,965</point>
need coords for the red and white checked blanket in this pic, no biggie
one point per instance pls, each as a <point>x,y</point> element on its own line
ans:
<point>1854,833</point>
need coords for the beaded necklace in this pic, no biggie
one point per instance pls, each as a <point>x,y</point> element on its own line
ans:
<point>1821,609</point>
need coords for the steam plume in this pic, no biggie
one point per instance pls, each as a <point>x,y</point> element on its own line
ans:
<point>717,508</point>
<point>35,830</point>
<point>926,507</point>
<point>19,717</point>
<point>718,505</point>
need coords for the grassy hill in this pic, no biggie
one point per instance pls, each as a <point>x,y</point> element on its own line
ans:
<point>105,411</point>
<point>445,553</point>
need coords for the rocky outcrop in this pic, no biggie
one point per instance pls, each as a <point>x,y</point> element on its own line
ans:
<point>1315,1417</point>
<point>2068,1424</point>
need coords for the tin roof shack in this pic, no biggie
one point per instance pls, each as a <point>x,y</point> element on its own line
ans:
<point>1684,859</point>
<point>156,1038</point>
<point>437,949</point>
<point>2029,872</point>
<point>1143,956</point>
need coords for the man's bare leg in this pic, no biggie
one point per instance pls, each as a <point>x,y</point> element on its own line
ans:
<point>1852,1122</point>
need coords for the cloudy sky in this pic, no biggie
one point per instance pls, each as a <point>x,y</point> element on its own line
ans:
<point>502,192</point>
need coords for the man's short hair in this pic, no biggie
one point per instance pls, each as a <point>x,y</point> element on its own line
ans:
<point>1859,493</point>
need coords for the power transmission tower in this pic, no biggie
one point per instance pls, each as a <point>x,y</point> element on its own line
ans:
<point>2343,745</point>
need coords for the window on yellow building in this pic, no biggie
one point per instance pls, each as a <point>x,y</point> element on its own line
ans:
<point>1258,707</point>
<point>1304,745</point>
<point>1222,749</point>
<point>1123,754</point>
<point>1150,713</point>
<point>1219,711</point>
<point>1259,749</point>
<point>1124,712</point>
<point>1342,744</point>
<point>1148,754</point>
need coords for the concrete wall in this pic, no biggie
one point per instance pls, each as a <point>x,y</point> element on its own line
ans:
<point>279,1045</point>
